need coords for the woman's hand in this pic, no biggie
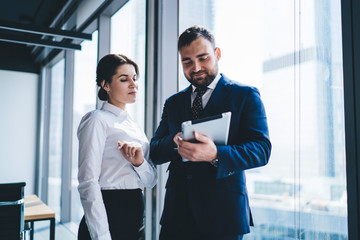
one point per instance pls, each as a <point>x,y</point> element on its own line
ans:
<point>131,152</point>
<point>177,138</point>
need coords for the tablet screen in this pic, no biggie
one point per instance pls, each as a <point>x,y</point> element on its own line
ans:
<point>215,127</point>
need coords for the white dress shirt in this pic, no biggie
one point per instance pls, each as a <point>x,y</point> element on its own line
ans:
<point>206,97</point>
<point>102,166</point>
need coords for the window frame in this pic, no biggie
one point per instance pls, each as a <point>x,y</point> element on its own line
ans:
<point>351,58</point>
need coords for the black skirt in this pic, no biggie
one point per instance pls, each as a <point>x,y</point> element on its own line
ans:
<point>125,213</point>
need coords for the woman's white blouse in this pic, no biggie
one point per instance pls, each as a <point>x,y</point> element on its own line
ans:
<point>102,166</point>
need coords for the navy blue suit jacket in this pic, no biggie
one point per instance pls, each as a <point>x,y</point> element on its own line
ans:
<point>218,196</point>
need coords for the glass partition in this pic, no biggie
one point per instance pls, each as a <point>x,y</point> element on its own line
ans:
<point>291,51</point>
<point>128,38</point>
<point>85,95</point>
<point>56,136</point>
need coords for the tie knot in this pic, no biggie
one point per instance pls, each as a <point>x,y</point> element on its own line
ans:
<point>200,90</point>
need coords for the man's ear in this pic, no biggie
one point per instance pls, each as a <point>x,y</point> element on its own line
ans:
<point>218,53</point>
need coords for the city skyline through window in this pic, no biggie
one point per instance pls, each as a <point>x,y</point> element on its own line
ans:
<point>291,51</point>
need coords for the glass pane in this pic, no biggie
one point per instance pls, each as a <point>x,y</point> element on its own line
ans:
<point>85,95</point>
<point>56,136</point>
<point>322,192</point>
<point>295,60</point>
<point>128,38</point>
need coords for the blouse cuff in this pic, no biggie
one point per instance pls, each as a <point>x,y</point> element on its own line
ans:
<point>105,236</point>
<point>144,167</point>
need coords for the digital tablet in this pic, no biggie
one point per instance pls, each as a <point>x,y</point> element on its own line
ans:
<point>215,127</point>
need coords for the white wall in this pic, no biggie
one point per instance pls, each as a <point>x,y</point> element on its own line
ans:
<point>18,116</point>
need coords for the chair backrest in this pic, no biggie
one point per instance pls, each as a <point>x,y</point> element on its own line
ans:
<point>12,210</point>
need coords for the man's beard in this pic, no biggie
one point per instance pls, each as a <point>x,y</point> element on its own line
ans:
<point>204,83</point>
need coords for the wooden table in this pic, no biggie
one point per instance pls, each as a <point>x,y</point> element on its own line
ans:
<point>36,210</point>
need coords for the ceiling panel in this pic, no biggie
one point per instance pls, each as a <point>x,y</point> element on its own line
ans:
<point>35,13</point>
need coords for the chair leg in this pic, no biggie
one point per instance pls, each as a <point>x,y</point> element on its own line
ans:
<point>52,229</point>
<point>31,230</point>
<point>27,228</point>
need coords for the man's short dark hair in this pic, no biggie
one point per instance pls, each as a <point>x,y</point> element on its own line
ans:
<point>193,33</point>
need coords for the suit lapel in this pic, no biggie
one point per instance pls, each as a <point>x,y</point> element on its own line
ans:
<point>186,101</point>
<point>216,104</point>
<point>218,100</point>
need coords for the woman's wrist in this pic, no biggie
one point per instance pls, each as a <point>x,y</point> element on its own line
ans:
<point>138,164</point>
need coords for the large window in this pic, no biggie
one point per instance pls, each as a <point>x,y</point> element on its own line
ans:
<point>56,136</point>
<point>85,95</point>
<point>290,51</point>
<point>128,38</point>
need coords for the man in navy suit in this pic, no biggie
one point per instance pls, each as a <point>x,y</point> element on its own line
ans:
<point>206,197</point>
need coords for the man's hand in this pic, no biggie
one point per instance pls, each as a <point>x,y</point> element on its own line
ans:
<point>203,151</point>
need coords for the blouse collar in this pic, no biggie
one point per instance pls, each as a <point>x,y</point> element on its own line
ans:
<point>113,109</point>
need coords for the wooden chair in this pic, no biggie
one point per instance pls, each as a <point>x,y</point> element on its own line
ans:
<point>12,211</point>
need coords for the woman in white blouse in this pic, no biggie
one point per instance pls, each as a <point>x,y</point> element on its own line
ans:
<point>114,164</point>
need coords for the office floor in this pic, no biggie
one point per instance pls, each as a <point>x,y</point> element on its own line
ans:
<point>62,231</point>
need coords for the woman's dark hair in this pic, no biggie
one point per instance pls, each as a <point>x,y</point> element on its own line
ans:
<point>106,68</point>
<point>193,33</point>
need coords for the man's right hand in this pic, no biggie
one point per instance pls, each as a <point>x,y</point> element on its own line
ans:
<point>204,150</point>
